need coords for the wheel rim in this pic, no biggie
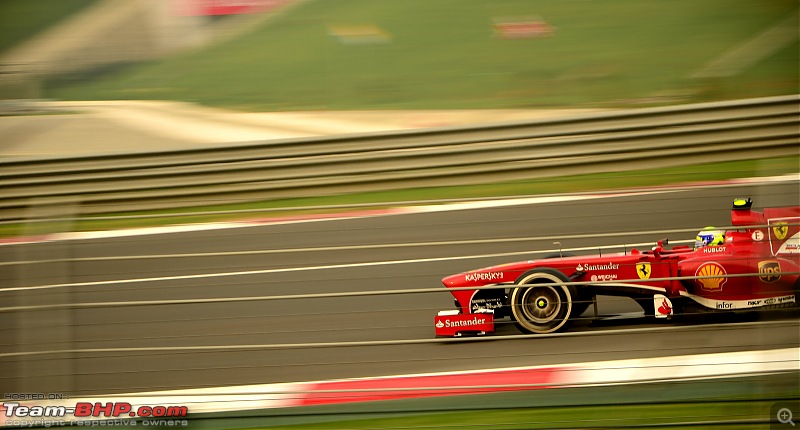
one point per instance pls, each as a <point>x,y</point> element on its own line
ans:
<point>541,308</point>
<point>541,304</point>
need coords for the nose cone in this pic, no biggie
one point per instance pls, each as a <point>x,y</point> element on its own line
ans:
<point>453,280</point>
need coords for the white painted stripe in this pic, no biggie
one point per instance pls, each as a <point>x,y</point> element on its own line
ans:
<point>789,177</point>
<point>684,367</point>
<point>458,206</point>
<point>298,269</point>
<point>500,203</point>
<point>471,205</point>
<point>382,246</point>
<point>792,325</point>
<point>603,373</point>
<point>190,228</point>
<point>112,234</point>
<point>260,272</point>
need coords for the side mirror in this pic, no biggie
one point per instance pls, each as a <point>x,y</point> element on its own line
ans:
<point>659,248</point>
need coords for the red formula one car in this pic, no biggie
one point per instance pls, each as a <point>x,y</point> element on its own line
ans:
<point>753,265</point>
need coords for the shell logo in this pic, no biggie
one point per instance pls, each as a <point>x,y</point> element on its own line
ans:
<point>717,276</point>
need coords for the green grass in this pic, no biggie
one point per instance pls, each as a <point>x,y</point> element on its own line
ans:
<point>444,54</point>
<point>742,414</point>
<point>581,183</point>
<point>673,415</point>
<point>22,19</point>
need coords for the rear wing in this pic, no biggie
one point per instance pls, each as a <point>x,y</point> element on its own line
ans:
<point>784,230</point>
<point>783,225</point>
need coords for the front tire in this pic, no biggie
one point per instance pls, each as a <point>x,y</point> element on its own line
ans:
<point>544,308</point>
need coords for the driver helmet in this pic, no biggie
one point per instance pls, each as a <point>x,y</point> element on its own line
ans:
<point>709,236</point>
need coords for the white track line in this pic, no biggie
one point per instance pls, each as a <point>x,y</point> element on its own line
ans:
<point>458,206</point>
<point>586,374</point>
<point>306,268</point>
<point>503,240</point>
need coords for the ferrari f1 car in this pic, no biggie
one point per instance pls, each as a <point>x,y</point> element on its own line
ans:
<point>751,266</point>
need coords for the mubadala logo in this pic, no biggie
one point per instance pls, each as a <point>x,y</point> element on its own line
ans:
<point>484,276</point>
<point>587,267</point>
<point>601,278</point>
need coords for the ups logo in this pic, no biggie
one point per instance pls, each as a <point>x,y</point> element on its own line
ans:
<point>769,271</point>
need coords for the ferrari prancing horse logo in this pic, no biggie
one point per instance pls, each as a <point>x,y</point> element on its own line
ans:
<point>643,270</point>
<point>781,229</point>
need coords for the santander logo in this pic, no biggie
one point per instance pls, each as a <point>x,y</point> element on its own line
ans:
<point>664,309</point>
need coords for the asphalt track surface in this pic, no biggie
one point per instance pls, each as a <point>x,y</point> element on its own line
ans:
<point>416,251</point>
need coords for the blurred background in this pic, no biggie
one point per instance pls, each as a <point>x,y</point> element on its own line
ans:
<point>273,55</point>
<point>162,161</point>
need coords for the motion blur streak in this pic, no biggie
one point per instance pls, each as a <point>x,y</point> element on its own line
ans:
<point>299,269</point>
<point>786,325</point>
<point>333,320</point>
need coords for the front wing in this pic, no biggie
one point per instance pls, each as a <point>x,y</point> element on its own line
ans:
<point>455,324</point>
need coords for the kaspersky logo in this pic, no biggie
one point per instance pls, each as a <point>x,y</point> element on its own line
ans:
<point>714,276</point>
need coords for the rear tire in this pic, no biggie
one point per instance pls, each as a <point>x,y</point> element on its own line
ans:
<point>542,308</point>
